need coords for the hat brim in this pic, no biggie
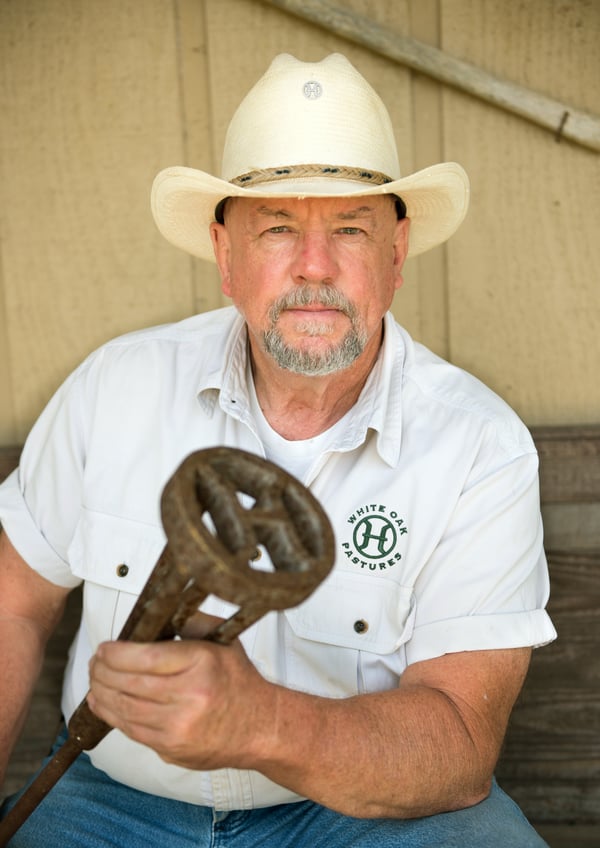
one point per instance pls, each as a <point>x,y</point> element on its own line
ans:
<point>183,202</point>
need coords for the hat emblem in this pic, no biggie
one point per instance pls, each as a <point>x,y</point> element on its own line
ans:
<point>312,89</point>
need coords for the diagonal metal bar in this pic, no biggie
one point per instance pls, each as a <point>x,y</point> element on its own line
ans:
<point>561,119</point>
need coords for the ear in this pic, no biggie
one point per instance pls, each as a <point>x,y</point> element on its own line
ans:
<point>221,247</point>
<point>400,248</point>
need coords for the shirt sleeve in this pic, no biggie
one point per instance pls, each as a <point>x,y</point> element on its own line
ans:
<point>489,569</point>
<point>40,501</point>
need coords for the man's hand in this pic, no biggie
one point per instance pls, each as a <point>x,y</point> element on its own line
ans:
<point>197,704</point>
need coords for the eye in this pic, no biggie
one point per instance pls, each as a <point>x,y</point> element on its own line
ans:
<point>350,231</point>
<point>280,228</point>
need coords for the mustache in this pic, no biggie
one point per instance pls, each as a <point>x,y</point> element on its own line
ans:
<point>326,296</point>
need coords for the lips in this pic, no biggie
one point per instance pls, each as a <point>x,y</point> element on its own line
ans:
<point>318,310</point>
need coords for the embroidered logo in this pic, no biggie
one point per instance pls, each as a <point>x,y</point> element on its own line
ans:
<point>376,534</point>
<point>312,90</point>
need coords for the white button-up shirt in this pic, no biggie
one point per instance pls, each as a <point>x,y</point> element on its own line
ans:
<point>431,488</point>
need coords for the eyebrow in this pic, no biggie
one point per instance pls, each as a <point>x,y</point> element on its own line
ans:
<point>360,212</point>
<point>271,212</point>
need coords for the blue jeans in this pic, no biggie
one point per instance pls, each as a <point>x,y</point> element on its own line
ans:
<point>86,809</point>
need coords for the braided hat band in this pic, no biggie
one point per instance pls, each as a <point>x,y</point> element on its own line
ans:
<point>340,172</point>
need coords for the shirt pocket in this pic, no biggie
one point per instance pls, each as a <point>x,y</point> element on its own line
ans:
<point>114,557</point>
<point>349,636</point>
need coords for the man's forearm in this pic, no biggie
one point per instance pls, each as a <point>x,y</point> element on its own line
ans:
<point>429,746</point>
<point>394,754</point>
<point>30,608</point>
<point>20,663</point>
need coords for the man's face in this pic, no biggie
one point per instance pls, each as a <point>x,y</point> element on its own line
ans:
<point>313,278</point>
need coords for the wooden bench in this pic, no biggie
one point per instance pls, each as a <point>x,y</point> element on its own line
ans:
<point>551,759</point>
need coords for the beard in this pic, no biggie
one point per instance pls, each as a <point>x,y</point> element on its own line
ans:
<point>337,356</point>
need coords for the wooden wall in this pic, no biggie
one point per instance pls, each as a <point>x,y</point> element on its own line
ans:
<point>98,95</point>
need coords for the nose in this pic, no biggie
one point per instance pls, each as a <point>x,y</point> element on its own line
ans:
<point>314,260</point>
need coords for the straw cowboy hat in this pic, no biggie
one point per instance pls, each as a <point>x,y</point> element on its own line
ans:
<point>309,129</point>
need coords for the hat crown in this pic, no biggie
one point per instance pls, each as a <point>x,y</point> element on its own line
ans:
<point>302,113</point>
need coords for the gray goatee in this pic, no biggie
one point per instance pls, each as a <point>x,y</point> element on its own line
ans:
<point>315,364</point>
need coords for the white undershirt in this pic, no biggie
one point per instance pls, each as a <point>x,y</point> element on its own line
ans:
<point>295,456</point>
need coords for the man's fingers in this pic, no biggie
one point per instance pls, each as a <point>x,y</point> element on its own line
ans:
<point>161,658</point>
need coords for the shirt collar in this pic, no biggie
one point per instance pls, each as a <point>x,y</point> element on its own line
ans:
<point>378,408</point>
<point>224,382</point>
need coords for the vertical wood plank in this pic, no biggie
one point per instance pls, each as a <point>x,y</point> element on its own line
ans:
<point>524,299</point>
<point>8,429</point>
<point>86,126</point>
<point>431,283</point>
<point>196,119</point>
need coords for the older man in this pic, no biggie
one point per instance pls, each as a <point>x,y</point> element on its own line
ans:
<point>373,713</point>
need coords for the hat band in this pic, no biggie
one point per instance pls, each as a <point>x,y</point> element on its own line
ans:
<point>340,172</point>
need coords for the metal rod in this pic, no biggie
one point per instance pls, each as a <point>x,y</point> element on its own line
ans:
<point>37,791</point>
<point>86,731</point>
<point>561,119</point>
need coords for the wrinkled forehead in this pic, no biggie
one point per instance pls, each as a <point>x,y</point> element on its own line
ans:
<point>345,208</point>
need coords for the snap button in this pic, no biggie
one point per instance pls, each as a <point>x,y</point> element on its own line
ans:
<point>122,570</point>
<point>361,626</point>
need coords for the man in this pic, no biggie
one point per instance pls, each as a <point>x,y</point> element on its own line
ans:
<point>372,714</point>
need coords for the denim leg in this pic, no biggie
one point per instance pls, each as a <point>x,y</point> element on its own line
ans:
<point>86,809</point>
<point>496,822</point>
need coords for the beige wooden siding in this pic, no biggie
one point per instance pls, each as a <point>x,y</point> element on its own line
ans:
<point>98,95</point>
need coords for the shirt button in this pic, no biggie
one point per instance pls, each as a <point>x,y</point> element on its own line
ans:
<point>122,570</point>
<point>361,626</point>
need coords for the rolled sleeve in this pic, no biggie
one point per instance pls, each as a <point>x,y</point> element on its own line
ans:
<point>40,501</point>
<point>486,584</point>
<point>21,529</point>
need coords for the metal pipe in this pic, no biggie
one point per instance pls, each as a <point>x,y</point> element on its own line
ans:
<point>562,120</point>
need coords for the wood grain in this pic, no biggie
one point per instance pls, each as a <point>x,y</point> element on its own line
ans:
<point>523,308</point>
<point>551,759</point>
<point>90,114</point>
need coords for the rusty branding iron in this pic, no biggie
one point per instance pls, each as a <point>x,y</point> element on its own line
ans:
<point>220,509</point>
